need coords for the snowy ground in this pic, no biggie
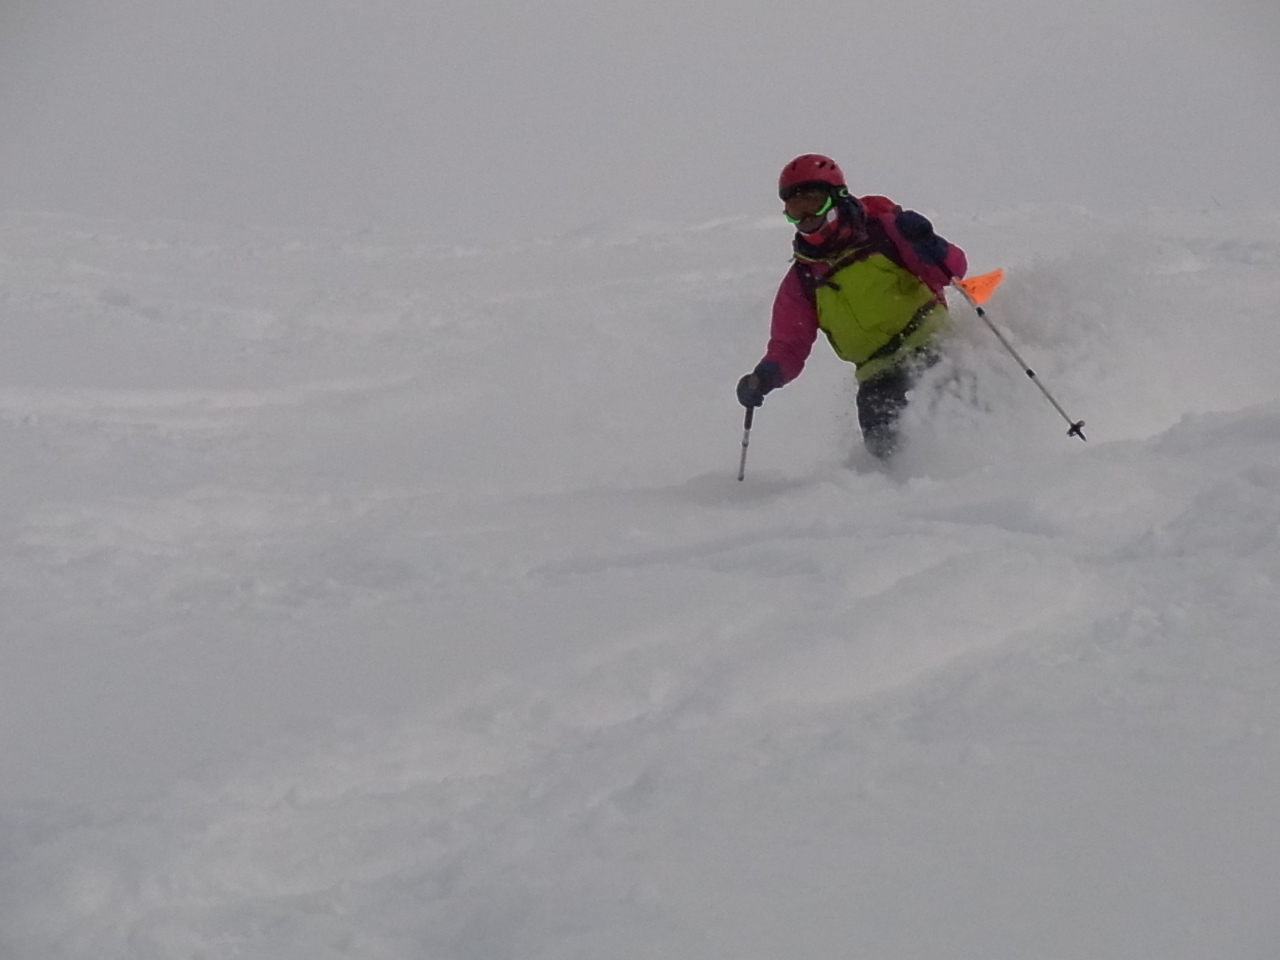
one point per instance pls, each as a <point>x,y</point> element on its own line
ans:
<point>365,597</point>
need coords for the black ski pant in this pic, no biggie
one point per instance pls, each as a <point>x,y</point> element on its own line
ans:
<point>882,399</point>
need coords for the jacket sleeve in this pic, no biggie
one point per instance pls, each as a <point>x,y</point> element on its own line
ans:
<point>793,329</point>
<point>940,261</point>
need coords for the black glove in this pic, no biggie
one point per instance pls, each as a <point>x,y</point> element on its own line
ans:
<point>753,387</point>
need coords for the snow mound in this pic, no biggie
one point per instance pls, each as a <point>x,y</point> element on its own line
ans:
<point>370,598</point>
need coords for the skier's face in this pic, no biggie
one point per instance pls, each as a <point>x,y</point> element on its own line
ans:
<point>808,210</point>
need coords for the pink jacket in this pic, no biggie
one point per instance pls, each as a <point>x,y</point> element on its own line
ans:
<point>795,314</point>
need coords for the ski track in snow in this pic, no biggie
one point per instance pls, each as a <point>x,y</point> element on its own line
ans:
<point>373,598</point>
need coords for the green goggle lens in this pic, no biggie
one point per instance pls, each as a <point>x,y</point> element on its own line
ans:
<point>820,212</point>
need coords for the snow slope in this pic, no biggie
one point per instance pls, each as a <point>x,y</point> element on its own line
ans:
<point>366,597</point>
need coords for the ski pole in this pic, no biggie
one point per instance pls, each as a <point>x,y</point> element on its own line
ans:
<point>746,439</point>
<point>1077,426</point>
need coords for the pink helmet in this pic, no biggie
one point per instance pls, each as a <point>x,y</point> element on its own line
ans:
<point>809,168</point>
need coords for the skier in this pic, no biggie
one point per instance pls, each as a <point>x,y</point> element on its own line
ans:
<point>870,275</point>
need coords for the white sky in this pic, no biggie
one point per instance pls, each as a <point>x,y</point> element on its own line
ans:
<point>458,116</point>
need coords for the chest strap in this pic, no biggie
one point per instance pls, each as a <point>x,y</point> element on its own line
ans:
<point>814,283</point>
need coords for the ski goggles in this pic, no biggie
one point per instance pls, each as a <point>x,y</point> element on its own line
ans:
<point>804,204</point>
